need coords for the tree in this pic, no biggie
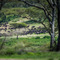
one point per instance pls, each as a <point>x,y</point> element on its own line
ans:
<point>58,8</point>
<point>18,25</point>
<point>2,2</point>
<point>50,16</point>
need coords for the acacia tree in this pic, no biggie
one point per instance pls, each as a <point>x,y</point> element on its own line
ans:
<point>50,14</point>
<point>18,26</point>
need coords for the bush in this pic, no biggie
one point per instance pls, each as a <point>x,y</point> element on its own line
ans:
<point>18,25</point>
<point>46,37</point>
<point>31,21</point>
<point>51,59</point>
<point>8,51</point>
<point>30,53</point>
<point>37,37</point>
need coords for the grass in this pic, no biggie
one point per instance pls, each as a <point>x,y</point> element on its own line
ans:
<point>28,48</point>
<point>26,44</point>
<point>42,56</point>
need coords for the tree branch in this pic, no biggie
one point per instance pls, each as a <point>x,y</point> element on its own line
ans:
<point>50,3</point>
<point>38,8</point>
<point>31,4</point>
<point>45,26</point>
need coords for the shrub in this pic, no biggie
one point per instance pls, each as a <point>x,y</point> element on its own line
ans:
<point>46,37</point>
<point>31,21</point>
<point>18,25</point>
<point>10,51</point>
<point>37,37</point>
<point>21,25</point>
<point>51,59</point>
<point>30,53</point>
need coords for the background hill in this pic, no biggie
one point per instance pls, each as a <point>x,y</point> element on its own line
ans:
<point>14,10</point>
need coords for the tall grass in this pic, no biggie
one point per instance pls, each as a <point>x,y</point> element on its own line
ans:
<point>34,47</point>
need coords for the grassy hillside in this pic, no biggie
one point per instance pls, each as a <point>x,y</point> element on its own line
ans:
<point>30,13</point>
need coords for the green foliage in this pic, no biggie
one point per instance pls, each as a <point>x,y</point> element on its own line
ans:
<point>28,48</point>
<point>24,46</point>
<point>7,51</point>
<point>14,4</point>
<point>30,53</point>
<point>31,21</point>
<point>46,37</point>
<point>18,25</point>
<point>37,37</point>
<point>34,12</point>
<point>51,59</point>
<point>13,13</point>
<point>11,17</point>
<point>2,17</point>
<point>29,12</point>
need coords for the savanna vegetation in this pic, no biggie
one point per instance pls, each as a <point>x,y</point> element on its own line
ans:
<point>30,29</point>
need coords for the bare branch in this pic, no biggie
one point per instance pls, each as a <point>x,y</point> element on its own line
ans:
<point>47,11</point>
<point>50,3</point>
<point>45,26</point>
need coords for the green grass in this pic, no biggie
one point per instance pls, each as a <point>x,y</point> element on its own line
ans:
<point>44,55</point>
<point>28,48</point>
<point>27,44</point>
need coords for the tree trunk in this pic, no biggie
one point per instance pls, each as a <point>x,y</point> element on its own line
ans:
<point>17,36</point>
<point>52,42</point>
<point>58,7</point>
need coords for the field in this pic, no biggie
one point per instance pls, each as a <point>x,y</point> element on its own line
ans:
<point>28,48</point>
<point>31,42</point>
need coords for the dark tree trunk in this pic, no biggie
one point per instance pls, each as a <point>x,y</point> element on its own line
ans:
<point>2,2</point>
<point>58,8</point>
<point>52,42</point>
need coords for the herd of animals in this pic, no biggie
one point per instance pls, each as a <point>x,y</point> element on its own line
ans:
<point>27,30</point>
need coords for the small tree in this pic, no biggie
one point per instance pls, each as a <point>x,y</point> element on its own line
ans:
<point>18,25</point>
